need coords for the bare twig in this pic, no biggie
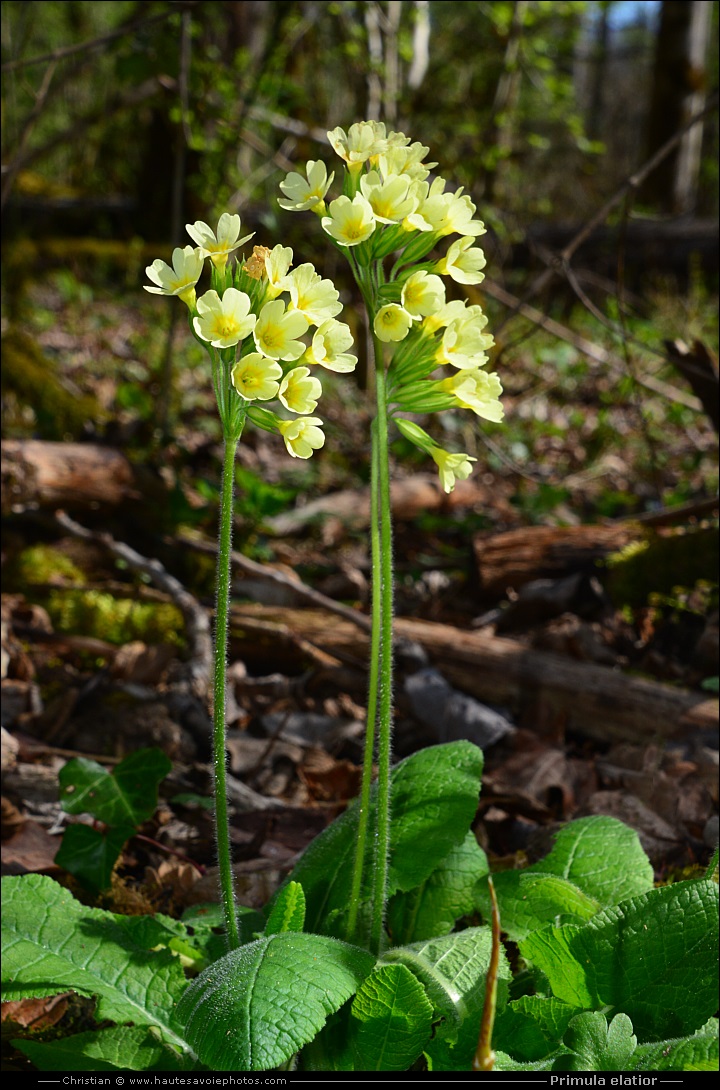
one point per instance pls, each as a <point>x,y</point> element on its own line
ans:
<point>40,100</point>
<point>196,618</point>
<point>633,182</point>
<point>588,348</point>
<point>96,43</point>
<point>272,575</point>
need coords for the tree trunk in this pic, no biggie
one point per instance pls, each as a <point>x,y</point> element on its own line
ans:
<point>678,91</point>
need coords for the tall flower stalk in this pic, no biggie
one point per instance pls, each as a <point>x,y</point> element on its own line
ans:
<point>430,354</point>
<point>262,348</point>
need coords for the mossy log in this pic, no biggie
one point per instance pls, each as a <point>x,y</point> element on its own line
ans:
<point>33,379</point>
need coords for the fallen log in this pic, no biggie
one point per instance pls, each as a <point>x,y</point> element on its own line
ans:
<point>545,691</point>
<point>516,557</point>
<point>71,476</point>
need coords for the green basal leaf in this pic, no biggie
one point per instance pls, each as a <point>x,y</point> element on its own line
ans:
<point>532,1027</point>
<point>122,1048</point>
<point>205,926</point>
<point>529,900</point>
<point>602,857</point>
<point>431,909</point>
<point>127,796</point>
<point>331,1050</point>
<point>434,799</point>
<point>288,912</point>
<point>391,1020</point>
<point>700,1052</point>
<point>51,943</point>
<point>503,1062</point>
<point>90,854</point>
<point>453,970</point>
<point>654,957</point>
<point>596,1046</point>
<point>257,1006</point>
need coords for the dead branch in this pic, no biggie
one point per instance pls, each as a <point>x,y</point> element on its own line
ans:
<point>588,348</point>
<point>272,575</point>
<point>545,690</point>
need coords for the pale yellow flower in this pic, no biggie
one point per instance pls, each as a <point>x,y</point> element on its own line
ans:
<point>218,246</point>
<point>299,390</point>
<point>464,343</point>
<point>256,377</point>
<point>423,294</point>
<point>312,296</point>
<point>405,160</point>
<point>451,467</point>
<point>328,348</point>
<point>302,436</point>
<point>392,323</point>
<point>477,390</point>
<point>277,265</point>
<point>456,308</point>
<point>463,262</point>
<point>388,199</point>
<point>224,322</point>
<point>363,140</point>
<point>276,331</point>
<point>349,222</point>
<point>304,193</point>
<point>180,280</point>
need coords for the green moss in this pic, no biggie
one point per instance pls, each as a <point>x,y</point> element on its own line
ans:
<point>116,620</point>
<point>78,611</point>
<point>44,564</point>
<point>656,565</point>
<point>32,378</point>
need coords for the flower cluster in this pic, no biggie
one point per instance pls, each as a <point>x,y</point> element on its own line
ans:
<point>263,347</point>
<point>390,207</point>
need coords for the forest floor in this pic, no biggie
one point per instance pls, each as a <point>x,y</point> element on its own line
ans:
<point>559,608</point>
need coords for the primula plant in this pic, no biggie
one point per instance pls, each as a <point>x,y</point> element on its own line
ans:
<point>381,951</point>
<point>252,323</point>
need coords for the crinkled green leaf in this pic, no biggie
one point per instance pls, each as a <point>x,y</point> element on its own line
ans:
<point>529,900</point>
<point>391,1020</point>
<point>51,943</point>
<point>700,1052</point>
<point>127,796</point>
<point>288,911</point>
<point>257,1006</point>
<point>654,957</point>
<point>432,908</point>
<point>503,1062</point>
<point>122,1048</point>
<point>452,970</point>
<point>603,857</point>
<point>434,799</point>
<point>532,1027</point>
<point>90,854</point>
<point>331,1050</point>
<point>596,1046</point>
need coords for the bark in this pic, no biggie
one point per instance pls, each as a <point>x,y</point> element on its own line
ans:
<point>72,475</point>
<point>547,692</point>
<point>516,557</point>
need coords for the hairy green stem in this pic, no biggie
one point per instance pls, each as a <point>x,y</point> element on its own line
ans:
<point>382,842</point>
<point>372,704</point>
<point>222,824</point>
